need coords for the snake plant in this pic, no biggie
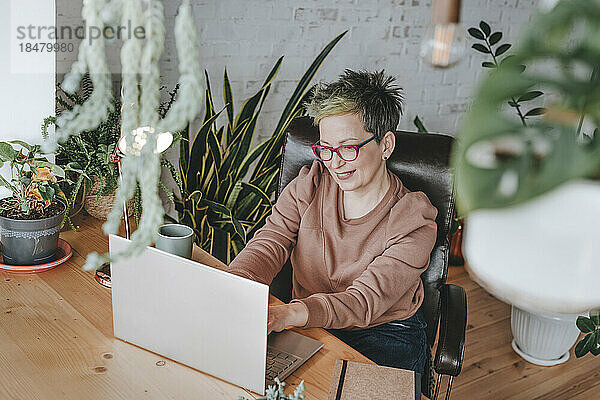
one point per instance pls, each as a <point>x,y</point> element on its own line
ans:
<point>226,185</point>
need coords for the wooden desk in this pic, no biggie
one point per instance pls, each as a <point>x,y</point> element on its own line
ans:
<point>57,341</point>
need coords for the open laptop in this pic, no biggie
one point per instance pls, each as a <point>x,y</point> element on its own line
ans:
<point>202,317</point>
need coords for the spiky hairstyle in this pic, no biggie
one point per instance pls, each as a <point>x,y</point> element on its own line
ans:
<point>373,95</point>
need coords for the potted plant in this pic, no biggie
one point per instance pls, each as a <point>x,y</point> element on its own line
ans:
<point>91,152</point>
<point>530,189</point>
<point>30,219</point>
<point>278,393</point>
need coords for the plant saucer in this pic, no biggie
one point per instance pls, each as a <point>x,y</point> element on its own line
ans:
<point>63,253</point>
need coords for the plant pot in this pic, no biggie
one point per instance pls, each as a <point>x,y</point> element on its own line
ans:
<point>540,256</point>
<point>30,242</point>
<point>100,207</point>
<point>543,338</point>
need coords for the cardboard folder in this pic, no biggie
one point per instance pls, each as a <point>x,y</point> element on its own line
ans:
<point>358,381</point>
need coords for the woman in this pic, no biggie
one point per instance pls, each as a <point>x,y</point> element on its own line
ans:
<point>357,239</point>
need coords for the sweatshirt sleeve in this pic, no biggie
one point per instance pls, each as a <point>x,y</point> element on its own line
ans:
<point>264,255</point>
<point>411,234</point>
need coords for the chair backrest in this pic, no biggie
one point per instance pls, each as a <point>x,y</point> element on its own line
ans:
<point>421,161</point>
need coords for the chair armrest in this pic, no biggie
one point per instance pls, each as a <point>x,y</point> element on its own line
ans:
<point>453,323</point>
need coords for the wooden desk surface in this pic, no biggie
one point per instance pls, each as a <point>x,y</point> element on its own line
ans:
<point>57,341</point>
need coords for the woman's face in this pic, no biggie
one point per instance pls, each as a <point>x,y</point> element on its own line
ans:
<point>366,171</point>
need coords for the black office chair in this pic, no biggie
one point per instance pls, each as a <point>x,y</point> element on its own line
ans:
<point>421,161</point>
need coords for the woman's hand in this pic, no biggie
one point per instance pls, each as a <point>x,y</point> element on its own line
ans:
<point>282,316</point>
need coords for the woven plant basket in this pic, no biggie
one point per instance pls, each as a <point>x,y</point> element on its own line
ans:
<point>99,208</point>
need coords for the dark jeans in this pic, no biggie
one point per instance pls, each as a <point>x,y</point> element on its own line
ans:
<point>399,344</point>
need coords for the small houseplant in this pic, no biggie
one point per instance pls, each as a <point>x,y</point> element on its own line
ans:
<point>278,393</point>
<point>30,219</point>
<point>91,152</point>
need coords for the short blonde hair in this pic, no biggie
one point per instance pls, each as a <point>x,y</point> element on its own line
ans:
<point>372,95</point>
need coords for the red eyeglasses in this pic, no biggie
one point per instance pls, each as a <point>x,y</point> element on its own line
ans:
<point>347,152</point>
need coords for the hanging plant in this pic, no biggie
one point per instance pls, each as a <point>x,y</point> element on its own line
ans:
<point>141,120</point>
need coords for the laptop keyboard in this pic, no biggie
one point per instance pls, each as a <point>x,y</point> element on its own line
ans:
<point>278,363</point>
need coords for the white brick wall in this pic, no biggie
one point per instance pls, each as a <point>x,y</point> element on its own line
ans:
<point>248,36</point>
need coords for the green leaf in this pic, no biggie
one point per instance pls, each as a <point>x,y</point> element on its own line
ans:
<point>49,193</point>
<point>535,111</point>
<point>239,229</point>
<point>7,184</point>
<point>487,64</point>
<point>56,170</point>
<point>7,153</point>
<point>495,38</point>
<point>184,153</point>
<point>233,195</point>
<point>248,107</point>
<point>199,147</point>
<point>502,49</point>
<point>214,148</point>
<point>419,124</point>
<point>215,207</point>
<point>225,187</point>
<point>257,191</point>
<point>219,135</point>
<point>243,140</point>
<point>481,48</point>
<point>259,223</point>
<point>485,28</point>
<point>228,98</point>
<point>476,33</point>
<point>210,108</point>
<point>584,346</point>
<point>595,315</point>
<point>25,180</point>
<point>74,166</point>
<point>196,195</point>
<point>583,343</point>
<point>22,144</point>
<point>585,324</point>
<point>530,95</point>
<point>513,103</point>
<point>249,159</point>
<point>233,148</point>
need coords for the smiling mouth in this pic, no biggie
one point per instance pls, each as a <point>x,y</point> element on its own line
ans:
<point>344,175</point>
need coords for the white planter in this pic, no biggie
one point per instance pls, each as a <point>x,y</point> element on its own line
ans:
<point>542,338</point>
<point>540,256</point>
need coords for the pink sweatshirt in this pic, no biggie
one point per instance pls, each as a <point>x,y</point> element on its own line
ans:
<point>349,273</point>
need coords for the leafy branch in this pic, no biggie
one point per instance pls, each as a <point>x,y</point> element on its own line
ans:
<point>489,39</point>
<point>591,341</point>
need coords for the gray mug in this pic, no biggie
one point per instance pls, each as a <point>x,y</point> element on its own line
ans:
<point>175,239</point>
